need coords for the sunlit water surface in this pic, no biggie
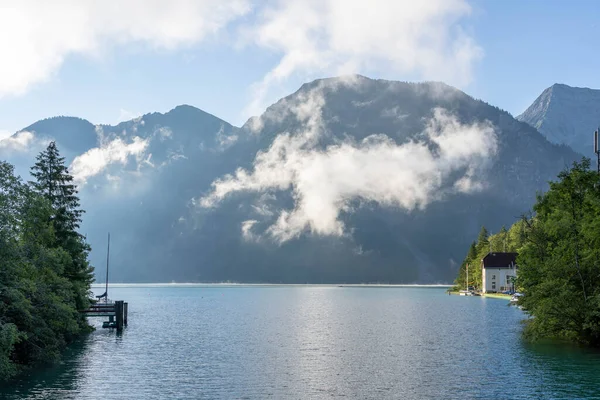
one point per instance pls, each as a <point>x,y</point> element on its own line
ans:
<point>297,342</point>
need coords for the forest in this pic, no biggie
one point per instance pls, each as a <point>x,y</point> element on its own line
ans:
<point>45,275</point>
<point>559,258</point>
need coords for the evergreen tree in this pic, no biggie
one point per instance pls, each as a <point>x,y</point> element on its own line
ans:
<point>503,236</point>
<point>516,235</point>
<point>483,243</point>
<point>498,242</point>
<point>54,183</point>
<point>38,303</point>
<point>472,255</point>
<point>472,261</point>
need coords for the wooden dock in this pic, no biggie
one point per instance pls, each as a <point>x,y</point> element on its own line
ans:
<point>116,312</point>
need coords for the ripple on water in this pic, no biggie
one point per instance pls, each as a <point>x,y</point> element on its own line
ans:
<point>313,342</point>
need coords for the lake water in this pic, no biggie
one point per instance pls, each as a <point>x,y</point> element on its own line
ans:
<point>297,342</point>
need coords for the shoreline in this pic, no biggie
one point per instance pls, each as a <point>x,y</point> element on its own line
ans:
<point>234,284</point>
<point>500,296</point>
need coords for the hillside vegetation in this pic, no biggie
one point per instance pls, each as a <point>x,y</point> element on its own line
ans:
<point>559,258</point>
<point>45,276</point>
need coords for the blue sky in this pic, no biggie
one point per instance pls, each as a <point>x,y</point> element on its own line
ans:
<point>109,63</point>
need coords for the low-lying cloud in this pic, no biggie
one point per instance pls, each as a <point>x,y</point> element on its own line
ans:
<point>326,181</point>
<point>98,159</point>
<point>4,134</point>
<point>18,142</point>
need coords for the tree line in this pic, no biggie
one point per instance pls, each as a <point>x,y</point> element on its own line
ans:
<point>504,241</point>
<point>45,275</point>
<point>558,247</point>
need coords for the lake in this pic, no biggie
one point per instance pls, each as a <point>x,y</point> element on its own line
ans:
<point>296,342</point>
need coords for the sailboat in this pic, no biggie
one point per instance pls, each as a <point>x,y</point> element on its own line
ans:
<point>105,294</point>
<point>466,292</point>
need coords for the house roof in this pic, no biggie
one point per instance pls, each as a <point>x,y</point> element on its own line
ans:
<point>499,260</point>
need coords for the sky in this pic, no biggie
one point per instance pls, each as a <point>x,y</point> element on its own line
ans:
<point>112,61</point>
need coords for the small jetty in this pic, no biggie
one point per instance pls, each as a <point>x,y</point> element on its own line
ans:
<point>115,311</point>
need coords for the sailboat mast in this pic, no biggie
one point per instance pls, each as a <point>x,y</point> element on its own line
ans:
<point>107,258</point>
<point>467,276</point>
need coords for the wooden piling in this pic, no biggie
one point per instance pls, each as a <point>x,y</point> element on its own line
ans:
<point>116,313</point>
<point>119,314</point>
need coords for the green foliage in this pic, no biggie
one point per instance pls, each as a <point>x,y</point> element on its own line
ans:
<point>471,261</point>
<point>54,183</point>
<point>44,273</point>
<point>499,241</point>
<point>559,258</point>
<point>485,242</point>
<point>9,336</point>
<point>559,263</point>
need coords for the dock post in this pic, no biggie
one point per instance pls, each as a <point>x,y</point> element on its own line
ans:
<point>125,313</point>
<point>119,314</point>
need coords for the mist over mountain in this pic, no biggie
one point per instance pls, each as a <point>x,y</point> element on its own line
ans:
<point>566,115</point>
<point>346,180</point>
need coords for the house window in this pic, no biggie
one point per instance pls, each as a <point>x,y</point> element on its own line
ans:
<point>508,278</point>
<point>493,285</point>
<point>493,276</point>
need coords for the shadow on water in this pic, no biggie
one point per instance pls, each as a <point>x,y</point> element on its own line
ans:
<point>60,381</point>
<point>563,370</point>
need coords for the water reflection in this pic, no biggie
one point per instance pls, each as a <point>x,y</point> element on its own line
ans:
<point>313,342</point>
<point>53,382</point>
<point>562,370</point>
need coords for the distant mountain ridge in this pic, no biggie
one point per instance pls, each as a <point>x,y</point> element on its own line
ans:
<point>76,135</point>
<point>566,115</point>
<point>149,200</point>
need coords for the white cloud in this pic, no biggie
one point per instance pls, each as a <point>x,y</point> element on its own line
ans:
<point>37,36</point>
<point>262,207</point>
<point>247,230</point>
<point>163,133</point>
<point>96,160</point>
<point>19,142</point>
<point>325,181</point>
<point>225,141</point>
<point>423,39</point>
<point>316,37</point>
<point>393,113</point>
<point>4,134</point>
<point>305,106</point>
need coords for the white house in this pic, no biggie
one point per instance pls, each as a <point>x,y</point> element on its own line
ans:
<point>498,271</point>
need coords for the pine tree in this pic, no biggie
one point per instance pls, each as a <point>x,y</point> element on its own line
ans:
<point>38,303</point>
<point>472,255</point>
<point>54,183</point>
<point>483,240</point>
<point>503,236</point>
<point>471,260</point>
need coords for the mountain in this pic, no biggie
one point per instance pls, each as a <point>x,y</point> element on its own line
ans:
<point>566,115</point>
<point>147,181</point>
<point>76,135</point>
